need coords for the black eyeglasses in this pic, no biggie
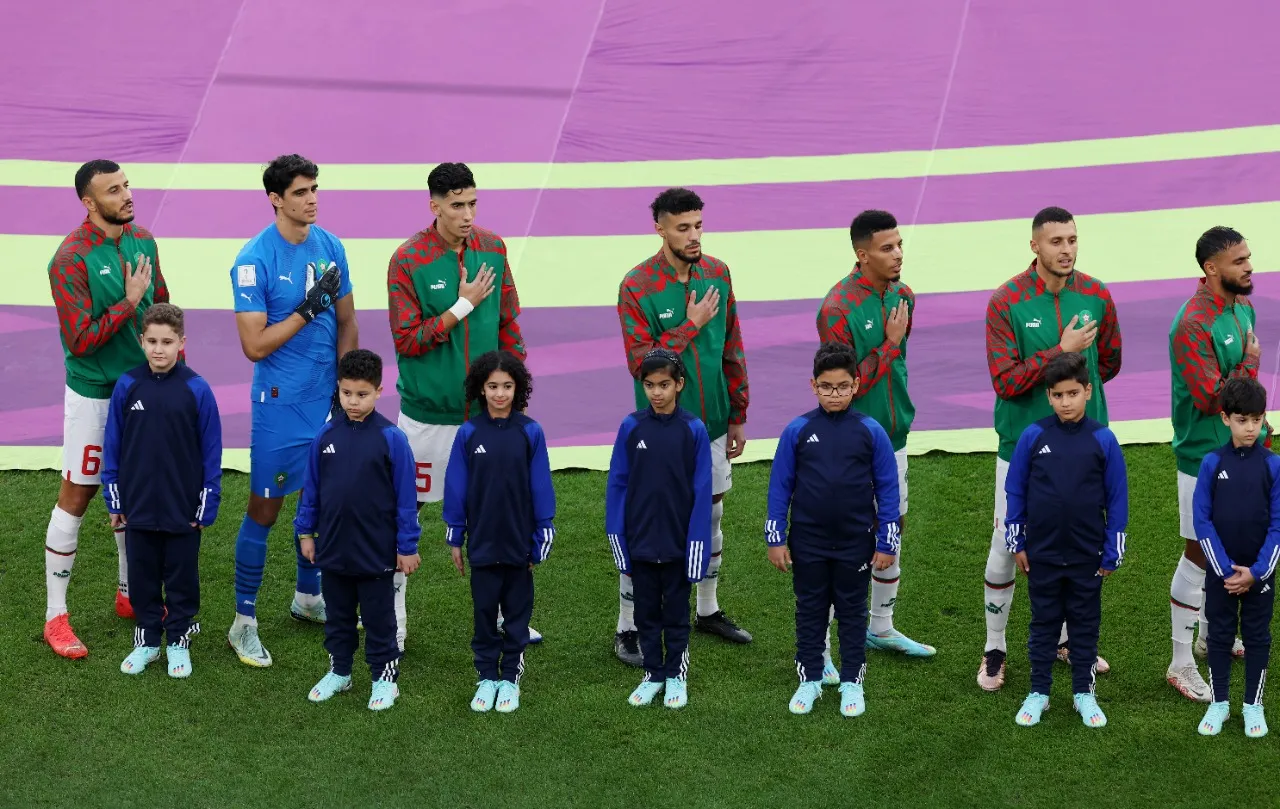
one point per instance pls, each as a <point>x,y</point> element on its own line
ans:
<point>843,389</point>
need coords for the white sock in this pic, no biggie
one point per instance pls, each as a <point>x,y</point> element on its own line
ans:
<point>708,604</point>
<point>401,582</point>
<point>831,616</point>
<point>244,620</point>
<point>884,594</point>
<point>1186,595</point>
<point>1062,636</point>
<point>123,566</point>
<point>1000,569</point>
<point>60,541</point>
<point>626,604</point>
<point>307,600</point>
<point>1204,622</point>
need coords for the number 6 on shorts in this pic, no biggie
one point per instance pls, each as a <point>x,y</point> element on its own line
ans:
<point>91,463</point>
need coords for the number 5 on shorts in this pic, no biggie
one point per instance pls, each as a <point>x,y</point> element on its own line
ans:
<point>91,463</point>
<point>424,478</point>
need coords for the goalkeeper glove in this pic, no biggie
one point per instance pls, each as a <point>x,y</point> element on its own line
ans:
<point>321,296</point>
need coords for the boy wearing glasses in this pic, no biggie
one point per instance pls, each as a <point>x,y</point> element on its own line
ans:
<point>834,476</point>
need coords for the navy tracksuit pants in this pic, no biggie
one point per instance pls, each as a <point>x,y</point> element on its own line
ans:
<point>1252,611</point>
<point>819,585</point>
<point>373,597</point>
<point>661,591</point>
<point>511,588</point>
<point>1058,593</point>
<point>164,573</point>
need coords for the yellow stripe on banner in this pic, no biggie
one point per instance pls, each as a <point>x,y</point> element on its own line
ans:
<point>766,265</point>
<point>979,439</point>
<point>660,173</point>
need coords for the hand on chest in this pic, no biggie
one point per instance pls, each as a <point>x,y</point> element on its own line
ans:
<point>294,275</point>
<point>1040,321</point>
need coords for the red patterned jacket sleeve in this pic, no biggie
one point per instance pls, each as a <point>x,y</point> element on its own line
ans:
<point>833,320</point>
<point>1011,375</point>
<point>509,337</point>
<point>636,337</point>
<point>412,334</point>
<point>1195,359</point>
<point>82,334</point>
<point>1108,340</point>
<point>735,361</point>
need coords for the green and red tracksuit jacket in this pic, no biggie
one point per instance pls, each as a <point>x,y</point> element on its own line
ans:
<point>1024,326</point>
<point>854,313</point>
<point>422,283</point>
<point>1206,348</point>
<point>651,308</point>
<point>99,326</point>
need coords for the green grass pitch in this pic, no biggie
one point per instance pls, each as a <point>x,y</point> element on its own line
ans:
<point>81,733</point>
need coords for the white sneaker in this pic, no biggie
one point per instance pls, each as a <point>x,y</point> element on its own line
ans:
<point>1201,648</point>
<point>1189,683</point>
<point>243,640</point>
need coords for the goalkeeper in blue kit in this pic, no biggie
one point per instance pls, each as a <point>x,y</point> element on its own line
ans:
<point>295,315</point>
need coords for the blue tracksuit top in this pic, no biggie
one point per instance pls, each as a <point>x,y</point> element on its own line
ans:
<point>1237,510</point>
<point>162,453</point>
<point>657,504</point>
<point>836,475</point>
<point>359,496</point>
<point>497,491</point>
<point>1067,494</point>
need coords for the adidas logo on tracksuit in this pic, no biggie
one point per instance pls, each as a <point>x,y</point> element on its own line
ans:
<point>1045,450</point>
<point>137,405</point>
<point>329,450</point>
<point>1223,475</point>
<point>480,450</point>
<point>641,445</point>
<point>813,439</point>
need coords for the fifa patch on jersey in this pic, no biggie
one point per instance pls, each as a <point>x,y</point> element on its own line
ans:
<point>246,275</point>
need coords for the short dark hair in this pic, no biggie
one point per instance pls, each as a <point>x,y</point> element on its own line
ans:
<point>282,171</point>
<point>1069,366</point>
<point>1213,241</point>
<point>92,169</point>
<point>484,366</point>
<point>361,365</point>
<point>835,357</point>
<point>1244,397</point>
<point>1051,214</point>
<point>662,359</point>
<point>675,201</point>
<point>164,314</point>
<point>869,223</point>
<point>448,177</point>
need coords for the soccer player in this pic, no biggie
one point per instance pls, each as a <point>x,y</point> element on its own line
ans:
<point>1049,309</point>
<point>1068,507</point>
<point>103,277</point>
<point>834,476</point>
<point>296,315</point>
<point>1237,517</point>
<point>440,286</point>
<point>1211,341</point>
<point>164,493</point>
<point>870,310</point>
<point>682,300</point>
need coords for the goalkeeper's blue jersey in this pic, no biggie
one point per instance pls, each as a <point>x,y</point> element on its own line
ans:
<point>273,276</point>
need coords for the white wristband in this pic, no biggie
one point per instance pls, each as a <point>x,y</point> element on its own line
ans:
<point>461,308</point>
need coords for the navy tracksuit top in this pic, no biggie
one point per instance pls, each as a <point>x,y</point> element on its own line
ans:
<point>658,497</point>
<point>1236,509</point>
<point>836,475</point>
<point>1067,494</point>
<point>497,491</point>
<point>162,452</point>
<point>359,496</point>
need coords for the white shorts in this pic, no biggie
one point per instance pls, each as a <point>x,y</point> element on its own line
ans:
<point>1186,493</point>
<point>431,444</point>
<point>901,457</point>
<point>84,424</point>
<point>721,469</point>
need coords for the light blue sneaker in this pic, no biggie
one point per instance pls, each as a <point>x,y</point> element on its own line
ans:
<point>329,685</point>
<point>384,695</point>
<point>852,701</point>
<point>1255,724</point>
<point>179,658</point>
<point>1090,713</point>
<point>645,692</point>
<point>1214,718</point>
<point>139,659</point>
<point>677,693</point>
<point>805,696</point>
<point>830,674</point>
<point>486,693</point>
<point>508,697</point>
<point>895,641</point>
<point>1034,705</point>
